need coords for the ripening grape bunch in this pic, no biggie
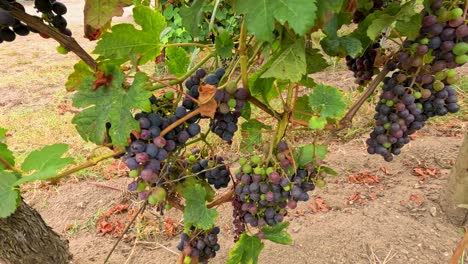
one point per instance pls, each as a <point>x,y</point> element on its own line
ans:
<point>363,66</point>
<point>422,86</point>
<point>264,193</point>
<point>213,170</point>
<point>149,149</point>
<point>199,244</point>
<point>53,12</point>
<point>9,25</point>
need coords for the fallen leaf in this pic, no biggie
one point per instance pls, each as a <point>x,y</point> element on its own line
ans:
<point>355,197</point>
<point>363,178</point>
<point>319,205</point>
<point>105,227</point>
<point>385,170</point>
<point>417,199</point>
<point>170,227</point>
<point>373,195</point>
<point>120,208</point>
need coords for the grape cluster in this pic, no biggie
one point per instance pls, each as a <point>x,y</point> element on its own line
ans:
<point>363,66</point>
<point>215,171</point>
<point>202,245</point>
<point>266,192</point>
<point>53,12</point>
<point>238,217</point>
<point>149,149</point>
<point>230,104</point>
<point>422,87</point>
<point>9,26</point>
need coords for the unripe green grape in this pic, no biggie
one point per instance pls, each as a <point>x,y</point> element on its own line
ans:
<point>247,168</point>
<point>255,160</point>
<point>461,59</point>
<point>287,188</point>
<point>452,80</point>
<point>269,170</point>
<point>258,170</point>
<point>387,144</point>
<point>242,161</point>
<point>141,186</point>
<point>320,183</point>
<point>417,95</point>
<point>419,105</point>
<point>460,48</point>
<point>455,13</point>
<point>231,87</point>
<point>451,73</point>
<point>187,260</point>
<point>389,103</point>
<point>440,76</point>
<point>424,41</point>
<point>438,86</point>
<point>133,173</point>
<point>192,158</point>
<point>387,126</point>
<point>232,103</point>
<point>443,15</point>
<point>62,50</point>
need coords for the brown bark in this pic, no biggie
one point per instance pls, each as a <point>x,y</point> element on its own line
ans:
<point>455,191</point>
<point>26,239</point>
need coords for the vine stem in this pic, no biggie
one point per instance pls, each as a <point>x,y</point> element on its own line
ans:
<point>10,166</point>
<point>186,75</point>
<point>243,55</point>
<point>67,42</point>
<point>88,164</point>
<point>142,208</point>
<point>187,45</point>
<point>346,121</point>
<point>179,121</point>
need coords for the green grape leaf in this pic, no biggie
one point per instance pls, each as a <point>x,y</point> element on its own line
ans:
<point>262,88</point>
<point>306,154</point>
<point>82,73</point>
<point>278,233</point>
<point>246,111</point>
<point>143,43</point>
<point>192,16</point>
<point>5,153</point>
<point>196,213</point>
<point>317,123</point>
<point>302,110</point>
<point>9,196</point>
<point>111,104</point>
<point>326,8</point>
<point>99,13</point>
<point>327,170</point>
<point>177,60</point>
<point>246,250</point>
<point>351,45</point>
<point>224,45</point>
<point>190,181</point>
<point>328,101</point>
<point>252,133</point>
<point>315,61</point>
<point>290,63</point>
<point>378,25</point>
<point>45,162</point>
<point>410,27</point>
<point>330,45</point>
<point>260,15</point>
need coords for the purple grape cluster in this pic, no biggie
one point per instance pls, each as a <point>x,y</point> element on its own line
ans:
<point>363,66</point>
<point>53,12</point>
<point>148,150</point>
<point>230,104</point>
<point>238,217</point>
<point>422,87</point>
<point>200,244</point>
<point>266,192</point>
<point>215,171</point>
<point>10,26</point>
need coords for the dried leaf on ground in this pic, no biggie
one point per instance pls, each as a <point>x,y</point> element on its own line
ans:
<point>363,178</point>
<point>319,205</point>
<point>355,197</point>
<point>105,227</point>
<point>385,170</point>
<point>170,227</point>
<point>424,173</point>
<point>417,199</point>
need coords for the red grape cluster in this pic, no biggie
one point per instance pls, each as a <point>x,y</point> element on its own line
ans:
<point>363,66</point>
<point>213,170</point>
<point>422,88</point>
<point>266,192</point>
<point>202,245</point>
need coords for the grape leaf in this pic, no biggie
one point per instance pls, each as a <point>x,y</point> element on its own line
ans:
<point>315,61</point>
<point>246,111</point>
<point>306,154</point>
<point>290,63</point>
<point>177,60</point>
<point>224,45</point>
<point>192,16</point>
<point>143,43</point>
<point>410,27</point>
<point>82,73</point>
<point>9,196</point>
<point>328,101</point>
<point>351,45</point>
<point>262,88</point>
<point>302,110</point>
<point>98,13</point>
<point>46,162</point>
<point>317,122</point>
<point>326,170</point>
<point>246,250</point>
<point>5,153</point>
<point>196,213</point>
<point>3,132</point>
<point>190,181</point>
<point>260,15</point>
<point>277,233</point>
<point>252,132</point>
<point>111,104</point>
